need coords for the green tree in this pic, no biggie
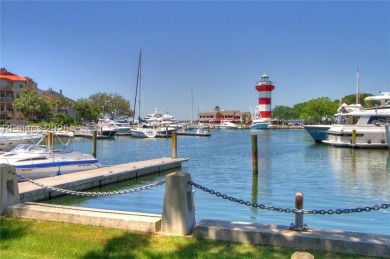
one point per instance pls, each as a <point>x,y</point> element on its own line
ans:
<point>85,111</point>
<point>111,104</point>
<point>64,119</point>
<point>283,113</point>
<point>320,110</point>
<point>58,103</point>
<point>351,99</point>
<point>121,106</point>
<point>217,109</point>
<point>33,105</point>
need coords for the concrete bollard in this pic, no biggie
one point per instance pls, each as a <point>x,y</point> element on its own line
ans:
<point>9,190</point>
<point>178,209</point>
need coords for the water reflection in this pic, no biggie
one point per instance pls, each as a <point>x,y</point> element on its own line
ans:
<point>361,172</point>
<point>289,162</point>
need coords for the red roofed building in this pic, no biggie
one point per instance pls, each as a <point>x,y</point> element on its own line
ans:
<point>10,87</point>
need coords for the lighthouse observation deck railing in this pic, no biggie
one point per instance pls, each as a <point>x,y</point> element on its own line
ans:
<point>265,83</point>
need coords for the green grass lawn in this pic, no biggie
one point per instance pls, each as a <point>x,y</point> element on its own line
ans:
<point>21,238</point>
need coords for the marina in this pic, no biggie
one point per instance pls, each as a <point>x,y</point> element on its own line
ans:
<point>289,162</point>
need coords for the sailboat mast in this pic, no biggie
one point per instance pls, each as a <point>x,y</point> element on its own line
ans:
<point>357,87</point>
<point>137,85</point>
<point>192,106</point>
<point>139,82</point>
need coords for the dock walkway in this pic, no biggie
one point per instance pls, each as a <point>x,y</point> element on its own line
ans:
<point>95,178</point>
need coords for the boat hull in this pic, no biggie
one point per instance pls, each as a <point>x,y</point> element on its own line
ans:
<point>373,137</point>
<point>259,126</point>
<point>50,169</point>
<point>317,132</point>
<point>228,127</point>
<point>143,133</point>
<point>123,131</point>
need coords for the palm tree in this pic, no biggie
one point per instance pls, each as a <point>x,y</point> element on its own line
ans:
<point>217,109</point>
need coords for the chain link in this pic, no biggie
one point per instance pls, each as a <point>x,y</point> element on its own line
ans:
<point>90,194</point>
<point>287,210</point>
<point>212,192</point>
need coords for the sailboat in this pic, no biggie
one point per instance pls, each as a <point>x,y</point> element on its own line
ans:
<point>140,132</point>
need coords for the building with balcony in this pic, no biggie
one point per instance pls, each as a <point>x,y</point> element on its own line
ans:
<point>11,86</point>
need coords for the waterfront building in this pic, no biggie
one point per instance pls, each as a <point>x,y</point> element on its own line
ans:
<point>11,86</point>
<point>218,116</point>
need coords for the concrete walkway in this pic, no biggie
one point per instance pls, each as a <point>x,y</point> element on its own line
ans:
<point>95,178</point>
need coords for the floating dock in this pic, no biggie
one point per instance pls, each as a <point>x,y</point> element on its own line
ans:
<point>95,178</point>
<point>194,134</point>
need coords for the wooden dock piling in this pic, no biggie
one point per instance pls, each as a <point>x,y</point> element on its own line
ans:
<point>254,154</point>
<point>94,137</point>
<point>174,145</point>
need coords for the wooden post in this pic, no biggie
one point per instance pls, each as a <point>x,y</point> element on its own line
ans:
<point>254,154</point>
<point>94,137</point>
<point>255,188</point>
<point>174,144</point>
<point>49,139</point>
<point>354,137</point>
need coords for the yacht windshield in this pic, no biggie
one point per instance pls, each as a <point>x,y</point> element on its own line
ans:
<point>378,120</point>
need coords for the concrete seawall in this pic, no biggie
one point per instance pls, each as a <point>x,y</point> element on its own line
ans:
<point>313,239</point>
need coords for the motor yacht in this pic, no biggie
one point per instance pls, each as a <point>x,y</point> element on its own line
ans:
<point>364,128</point>
<point>226,124</point>
<point>35,161</point>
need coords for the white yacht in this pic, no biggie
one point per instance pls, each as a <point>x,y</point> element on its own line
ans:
<point>107,127</point>
<point>226,124</point>
<point>123,127</point>
<point>363,128</point>
<point>35,161</point>
<point>10,138</point>
<point>143,132</point>
<point>318,132</point>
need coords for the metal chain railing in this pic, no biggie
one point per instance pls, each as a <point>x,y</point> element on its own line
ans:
<point>90,194</point>
<point>212,192</point>
<point>287,210</point>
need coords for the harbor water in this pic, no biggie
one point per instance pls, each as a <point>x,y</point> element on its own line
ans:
<point>330,178</point>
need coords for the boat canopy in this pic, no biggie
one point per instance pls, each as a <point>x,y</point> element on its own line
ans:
<point>377,100</point>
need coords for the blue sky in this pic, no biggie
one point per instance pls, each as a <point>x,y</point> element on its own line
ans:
<point>205,53</point>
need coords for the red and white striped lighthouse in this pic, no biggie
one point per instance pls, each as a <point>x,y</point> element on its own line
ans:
<point>265,87</point>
